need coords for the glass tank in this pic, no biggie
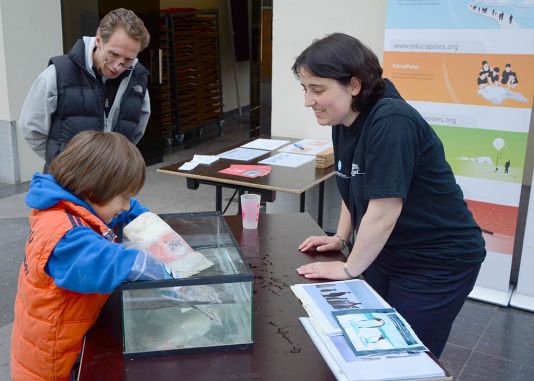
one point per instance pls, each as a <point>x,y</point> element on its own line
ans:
<point>211,310</point>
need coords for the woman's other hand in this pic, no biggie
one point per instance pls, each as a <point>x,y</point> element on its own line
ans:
<point>323,270</point>
<point>321,243</point>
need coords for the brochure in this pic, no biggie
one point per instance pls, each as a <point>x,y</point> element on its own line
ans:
<point>372,332</point>
<point>321,299</point>
<point>346,366</point>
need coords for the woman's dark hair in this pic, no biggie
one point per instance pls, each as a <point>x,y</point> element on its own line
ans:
<point>341,57</point>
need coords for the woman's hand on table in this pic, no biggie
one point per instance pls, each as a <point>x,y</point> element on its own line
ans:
<point>324,270</point>
<point>321,243</point>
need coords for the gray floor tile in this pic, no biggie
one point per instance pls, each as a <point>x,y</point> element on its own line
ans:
<point>14,229</point>
<point>7,298</point>
<point>7,190</point>
<point>5,346</point>
<point>14,207</point>
<point>470,323</point>
<point>510,335</point>
<point>454,359</point>
<point>12,255</point>
<point>483,367</point>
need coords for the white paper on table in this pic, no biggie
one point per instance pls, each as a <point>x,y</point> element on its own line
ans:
<point>266,144</point>
<point>288,160</point>
<point>242,154</point>
<point>320,299</point>
<point>188,166</point>
<point>346,366</point>
<point>205,159</point>
<point>307,146</point>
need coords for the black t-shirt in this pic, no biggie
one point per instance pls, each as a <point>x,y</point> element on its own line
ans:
<point>390,151</point>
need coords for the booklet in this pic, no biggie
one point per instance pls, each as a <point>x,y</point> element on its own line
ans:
<point>345,365</point>
<point>250,171</point>
<point>372,332</point>
<point>321,299</point>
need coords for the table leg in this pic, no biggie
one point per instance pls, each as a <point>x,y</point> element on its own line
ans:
<point>302,201</point>
<point>218,198</point>
<point>321,201</point>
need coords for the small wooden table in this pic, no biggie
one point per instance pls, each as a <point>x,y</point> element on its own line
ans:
<point>283,179</point>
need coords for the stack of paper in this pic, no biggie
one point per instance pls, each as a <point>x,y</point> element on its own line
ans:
<point>325,159</point>
<point>348,323</point>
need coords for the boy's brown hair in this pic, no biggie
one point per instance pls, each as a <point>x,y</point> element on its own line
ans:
<point>99,166</point>
<point>126,20</point>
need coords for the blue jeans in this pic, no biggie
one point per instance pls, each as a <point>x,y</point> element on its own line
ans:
<point>428,296</point>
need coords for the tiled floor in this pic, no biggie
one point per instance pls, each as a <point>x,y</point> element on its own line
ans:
<point>487,342</point>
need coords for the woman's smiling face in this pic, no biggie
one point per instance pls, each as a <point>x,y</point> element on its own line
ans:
<point>330,100</point>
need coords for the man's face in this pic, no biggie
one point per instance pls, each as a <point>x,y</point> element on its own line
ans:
<point>116,55</point>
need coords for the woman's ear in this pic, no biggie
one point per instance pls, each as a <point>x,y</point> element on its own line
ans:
<point>355,86</point>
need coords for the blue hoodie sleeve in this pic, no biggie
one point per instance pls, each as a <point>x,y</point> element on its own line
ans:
<point>85,262</point>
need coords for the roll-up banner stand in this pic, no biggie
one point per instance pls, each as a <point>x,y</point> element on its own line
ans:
<point>466,66</point>
<point>523,295</point>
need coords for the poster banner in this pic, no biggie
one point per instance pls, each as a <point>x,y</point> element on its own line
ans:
<point>466,66</point>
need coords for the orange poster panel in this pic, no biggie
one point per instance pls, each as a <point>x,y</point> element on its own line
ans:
<point>477,79</point>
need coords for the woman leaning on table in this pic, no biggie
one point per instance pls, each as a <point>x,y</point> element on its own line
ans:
<point>415,241</point>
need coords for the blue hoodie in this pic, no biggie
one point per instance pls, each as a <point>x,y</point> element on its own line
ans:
<point>84,261</point>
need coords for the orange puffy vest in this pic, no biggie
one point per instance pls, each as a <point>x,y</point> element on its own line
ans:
<point>50,322</point>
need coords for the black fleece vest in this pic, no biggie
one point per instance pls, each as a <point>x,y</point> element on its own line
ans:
<point>80,102</point>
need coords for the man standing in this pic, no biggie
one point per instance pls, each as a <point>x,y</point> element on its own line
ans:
<point>98,85</point>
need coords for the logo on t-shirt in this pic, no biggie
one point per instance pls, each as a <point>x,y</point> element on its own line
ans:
<point>339,173</point>
<point>355,170</point>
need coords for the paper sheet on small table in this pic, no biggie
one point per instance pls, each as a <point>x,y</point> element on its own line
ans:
<point>188,166</point>
<point>288,160</point>
<point>242,154</point>
<point>266,144</point>
<point>307,146</point>
<point>199,159</point>
<point>205,159</point>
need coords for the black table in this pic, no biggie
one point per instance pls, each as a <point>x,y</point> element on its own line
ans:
<point>282,349</point>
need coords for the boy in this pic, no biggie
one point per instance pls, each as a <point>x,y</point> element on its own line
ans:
<point>72,260</point>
